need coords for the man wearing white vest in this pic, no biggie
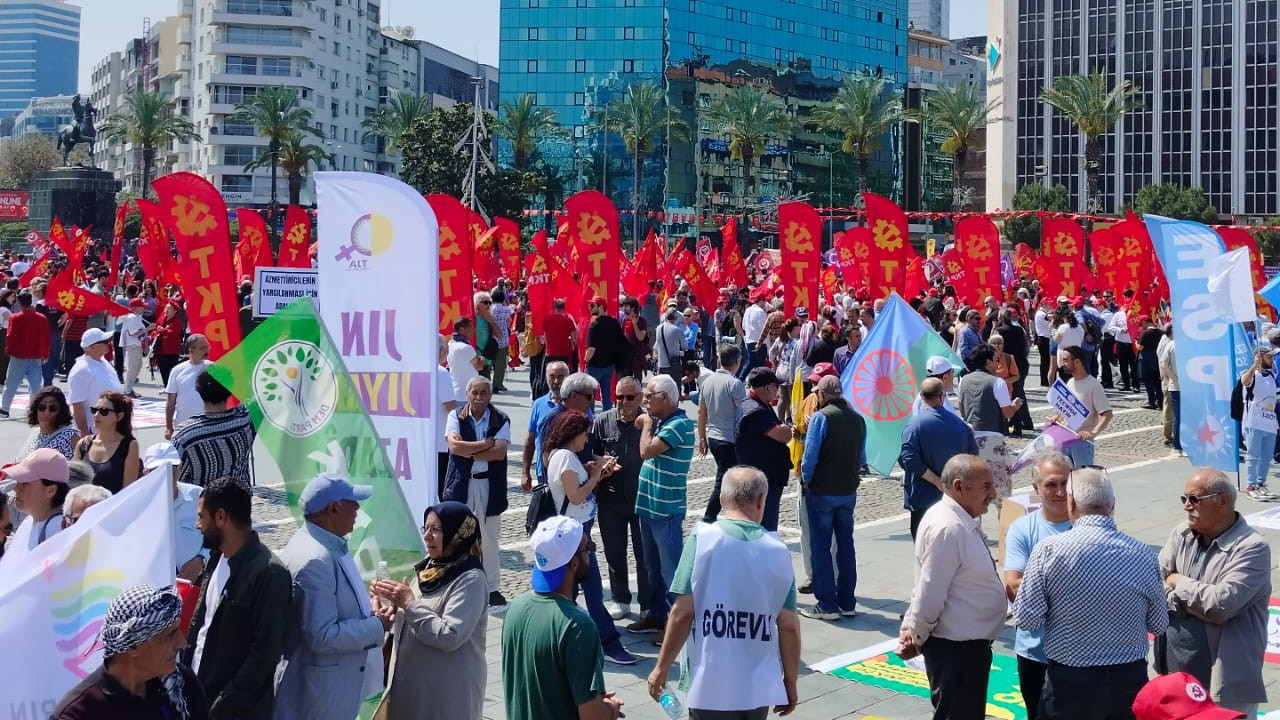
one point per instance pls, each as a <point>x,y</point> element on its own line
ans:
<point>736,605</point>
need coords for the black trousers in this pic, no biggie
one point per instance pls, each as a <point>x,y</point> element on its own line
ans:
<point>1031,681</point>
<point>442,462</point>
<point>166,363</point>
<point>757,714</point>
<point>1105,692</point>
<point>958,672</point>
<point>916,517</point>
<point>1128,365</point>
<point>1151,381</point>
<point>616,518</point>
<point>1022,418</point>
<point>1042,346</point>
<point>1108,348</point>
<point>726,457</point>
<point>537,376</point>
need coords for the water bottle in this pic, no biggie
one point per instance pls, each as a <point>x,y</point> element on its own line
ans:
<point>382,573</point>
<point>671,702</point>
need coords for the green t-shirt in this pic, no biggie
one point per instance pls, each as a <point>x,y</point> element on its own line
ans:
<point>552,661</point>
<point>682,583</point>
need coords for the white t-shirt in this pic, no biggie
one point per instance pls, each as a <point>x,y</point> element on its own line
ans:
<point>5,313</point>
<point>130,326</point>
<point>753,321</point>
<point>444,393</point>
<point>212,597</point>
<point>27,536</point>
<point>182,383</point>
<point>460,368</point>
<point>87,380</point>
<point>1068,337</point>
<point>19,267</point>
<point>563,460</point>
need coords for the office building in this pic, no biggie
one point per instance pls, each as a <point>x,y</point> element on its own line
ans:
<point>447,78</point>
<point>39,51</point>
<point>1207,73</point>
<point>931,16</point>
<point>928,172</point>
<point>44,116</point>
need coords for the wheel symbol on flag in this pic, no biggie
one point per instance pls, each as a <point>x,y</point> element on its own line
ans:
<point>884,386</point>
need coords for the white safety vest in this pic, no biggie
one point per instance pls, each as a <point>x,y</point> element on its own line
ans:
<point>1260,414</point>
<point>739,587</point>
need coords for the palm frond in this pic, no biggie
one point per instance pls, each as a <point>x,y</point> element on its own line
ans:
<point>862,111</point>
<point>1089,104</point>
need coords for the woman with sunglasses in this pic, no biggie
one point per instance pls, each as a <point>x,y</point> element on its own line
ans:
<point>112,449</point>
<point>49,416</point>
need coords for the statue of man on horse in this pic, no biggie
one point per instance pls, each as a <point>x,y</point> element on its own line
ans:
<point>82,131</point>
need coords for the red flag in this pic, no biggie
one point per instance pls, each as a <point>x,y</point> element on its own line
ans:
<point>1062,242</point>
<point>64,294</point>
<point>915,282</point>
<point>593,224</point>
<point>296,241</point>
<point>633,277</point>
<point>539,283</point>
<point>58,235</point>
<point>456,299</point>
<point>890,248</point>
<point>153,243</point>
<point>117,243</point>
<point>800,236</point>
<point>699,284</point>
<point>1024,260</point>
<point>509,247</point>
<point>768,288</point>
<point>732,267</point>
<point>829,281</point>
<point>1135,256</point>
<point>953,268</point>
<point>254,249</point>
<point>846,260</point>
<point>978,244</point>
<point>197,216</point>
<point>1108,255</point>
<point>37,269</point>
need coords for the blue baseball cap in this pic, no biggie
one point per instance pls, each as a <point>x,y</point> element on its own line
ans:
<point>555,542</point>
<point>330,487</point>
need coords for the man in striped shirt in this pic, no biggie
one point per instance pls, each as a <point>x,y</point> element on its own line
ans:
<point>217,442</point>
<point>666,446</point>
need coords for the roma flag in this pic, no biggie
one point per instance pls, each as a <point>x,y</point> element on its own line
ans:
<point>884,376</point>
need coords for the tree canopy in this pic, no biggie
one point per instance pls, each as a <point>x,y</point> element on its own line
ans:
<point>1034,196</point>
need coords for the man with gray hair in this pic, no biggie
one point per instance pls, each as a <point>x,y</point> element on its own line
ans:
<point>720,396</point>
<point>182,402</point>
<point>544,408</point>
<point>1217,576</point>
<point>670,343</point>
<point>80,499</point>
<point>1096,594</point>
<point>734,568</point>
<point>958,605</point>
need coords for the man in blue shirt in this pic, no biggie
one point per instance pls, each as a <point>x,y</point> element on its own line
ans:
<point>930,439</point>
<point>544,408</point>
<point>969,337</point>
<point>1049,478</point>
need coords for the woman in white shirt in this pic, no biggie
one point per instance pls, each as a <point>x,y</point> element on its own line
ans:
<point>1070,332</point>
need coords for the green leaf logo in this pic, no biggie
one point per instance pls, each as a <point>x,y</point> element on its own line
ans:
<point>296,387</point>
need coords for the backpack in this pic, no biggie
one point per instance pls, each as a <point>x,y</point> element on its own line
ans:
<point>1239,396</point>
<point>542,506</point>
<point>1092,330</point>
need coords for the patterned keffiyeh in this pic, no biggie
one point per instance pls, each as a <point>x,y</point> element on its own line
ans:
<point>140,614</point>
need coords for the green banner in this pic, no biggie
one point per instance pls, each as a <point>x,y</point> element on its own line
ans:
<point>290,376</point>
<point>888,671</point>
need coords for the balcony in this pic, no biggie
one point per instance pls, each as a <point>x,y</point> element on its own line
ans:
<point>223,47</point>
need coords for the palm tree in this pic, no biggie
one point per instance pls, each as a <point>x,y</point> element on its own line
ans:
<point>523,123</point>
<point>1093,109</point>
<point>394,118</point>
<point>863,111</point>
<point>749,117</point>
<point>148,123</point>
<point>295,158</point>
<point>275,111</point>
<point>957,112</point>
<point>642,116</point>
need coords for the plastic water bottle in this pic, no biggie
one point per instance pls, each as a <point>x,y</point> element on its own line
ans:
<point>382,573</point>
<point>671,702</point>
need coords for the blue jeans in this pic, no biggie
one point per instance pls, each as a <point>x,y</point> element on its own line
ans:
<point>752,357</point>
<point>663,540</point>
<point>1080,452</point>
<point>21,369</point>
<point>593,592</point>
<point>1175,402</point>
<point>55,359</point>
<point>1257,458</point>
<point>832,587</point>
<point>772,506</point>
<point>604,376</point>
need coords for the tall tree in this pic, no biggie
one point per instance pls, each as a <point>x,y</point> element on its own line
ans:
<point>147,122</point>
<point>1093,109</point>
<point>956,111</point>
<point>642,117</point>
<point>296,157</point>
<point>863,110</point>
<point>391,120</point>
<point>22,158</point>
<point>275,111</point>
<point>750,118</point>
<point>1034,196</point>
<point>523,123</point>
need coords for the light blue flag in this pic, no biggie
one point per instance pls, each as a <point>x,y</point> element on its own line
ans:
<point>1206,343</point>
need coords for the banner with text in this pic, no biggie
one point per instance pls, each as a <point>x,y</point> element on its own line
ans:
<point>800,234</point>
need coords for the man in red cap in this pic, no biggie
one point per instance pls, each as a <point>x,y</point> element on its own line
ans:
<point>1178,696</point>
<point>605,343</point>
<point>131,330</point>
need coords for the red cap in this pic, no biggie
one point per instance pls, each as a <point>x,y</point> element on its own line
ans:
<point>1178,696</point>
<point>598,300</point>
<point>137,302</point>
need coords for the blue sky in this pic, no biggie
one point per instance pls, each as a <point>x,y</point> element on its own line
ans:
<point>468,28</point>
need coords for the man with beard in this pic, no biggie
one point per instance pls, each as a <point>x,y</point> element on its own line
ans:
<point>240,623</point>
<point>762,440</point>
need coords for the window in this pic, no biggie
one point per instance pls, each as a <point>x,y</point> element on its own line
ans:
<point>531,66</point>
<point>276,66</point>
<point>533,3</point>
<point>241,65</point>
<point>241,35</point>
<point>579,66</point>
<point>240,155</point>
<point>628,66</point>
<point>879,17</point>
<point>628,3</point>
<point>532,34</point>
<point>237,183</point>
<point>579,98</point>
<point>582,3</point>
<point>279,8</point>
<point>337,49</point>
<point>693,7</point>
<point>728,13</point>
<point>742,17</point>
<point>628,33</point>
<point>231,127</point>
<point>580,33</point>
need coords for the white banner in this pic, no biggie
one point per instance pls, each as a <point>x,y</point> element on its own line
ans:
<point>377,254</point>
<point>276,287</point>
<point>56,596</point>
<point>1067,404</point>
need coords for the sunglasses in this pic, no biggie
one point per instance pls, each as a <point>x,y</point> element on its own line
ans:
<point>486,302</point>
<point>103,411</point>
<point>1195,499</point>
<point>627,396</point>
<point>47,408</point>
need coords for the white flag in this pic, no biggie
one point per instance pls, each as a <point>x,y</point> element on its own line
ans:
<point>1231,286</point>
<point>56,596</point>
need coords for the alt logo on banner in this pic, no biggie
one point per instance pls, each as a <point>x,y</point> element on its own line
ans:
<point>370,236</point>
<point>296,387</point>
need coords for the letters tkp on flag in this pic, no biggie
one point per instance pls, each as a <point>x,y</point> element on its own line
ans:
<point>884,376</point>
<point>291,377</point>
<point>56,595</point>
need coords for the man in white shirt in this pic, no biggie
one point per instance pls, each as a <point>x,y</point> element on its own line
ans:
<point>19,267</point>
<point>939,367</point>
<point>1044,331</point>
<point>132,328</point>
<point>958,605</point>
<point>91,376</point>
<point>183,402</point>
<point>753,322</point>
<point>464,362</point>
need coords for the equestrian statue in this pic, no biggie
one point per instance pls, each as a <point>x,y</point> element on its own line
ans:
<point>82,131</point>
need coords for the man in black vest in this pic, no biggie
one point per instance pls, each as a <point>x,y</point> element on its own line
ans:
<point>478,435</point>
<point>829,479</point>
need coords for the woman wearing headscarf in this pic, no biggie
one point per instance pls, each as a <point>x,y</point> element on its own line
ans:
<point>438,635</point>
<point>139,676</point>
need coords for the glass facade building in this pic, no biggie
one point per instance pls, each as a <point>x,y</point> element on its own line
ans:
<point>39,51</point>
<point>575,56</point>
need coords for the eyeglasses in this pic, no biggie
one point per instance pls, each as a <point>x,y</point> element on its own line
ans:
<point>1195,499</point>
<point>655,393</point>
<point>47,408</point>
<point>628,396</point>
<point>103,411</point>
<point>432,530</point>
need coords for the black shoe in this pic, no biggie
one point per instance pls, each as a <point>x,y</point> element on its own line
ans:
<point>647,624</point>
<point>4,413</point>
<point>806,588</point>
<point>496,599</point>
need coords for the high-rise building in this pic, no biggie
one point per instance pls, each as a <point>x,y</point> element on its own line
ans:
<point>39,51</point>
<point>1206,70</point>
<point>927,178</point>
<point>931,16</point>
<point>448,78</point>
<point>575,59</point>
<point>44,116</point>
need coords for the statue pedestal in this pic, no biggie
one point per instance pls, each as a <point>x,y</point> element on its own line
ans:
<point>82,196</point>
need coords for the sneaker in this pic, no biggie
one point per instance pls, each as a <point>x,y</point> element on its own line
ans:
<point>617,610</point>
<point>817,613</point>
<point>647,624</point>
<point>4,413</point>
<point>1266,492</point>
<point>496,599</point>
<point>806,588</point>
<point>1254,493</point>
<point>850,613</point>
<point>620,656</point>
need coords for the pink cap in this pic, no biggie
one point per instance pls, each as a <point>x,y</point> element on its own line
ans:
<point>43,464</point>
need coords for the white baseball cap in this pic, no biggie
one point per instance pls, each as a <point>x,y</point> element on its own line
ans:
<point>555,541</point>
<point>938,365</point>
<point>93,336</point>
<point>161,453</point>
